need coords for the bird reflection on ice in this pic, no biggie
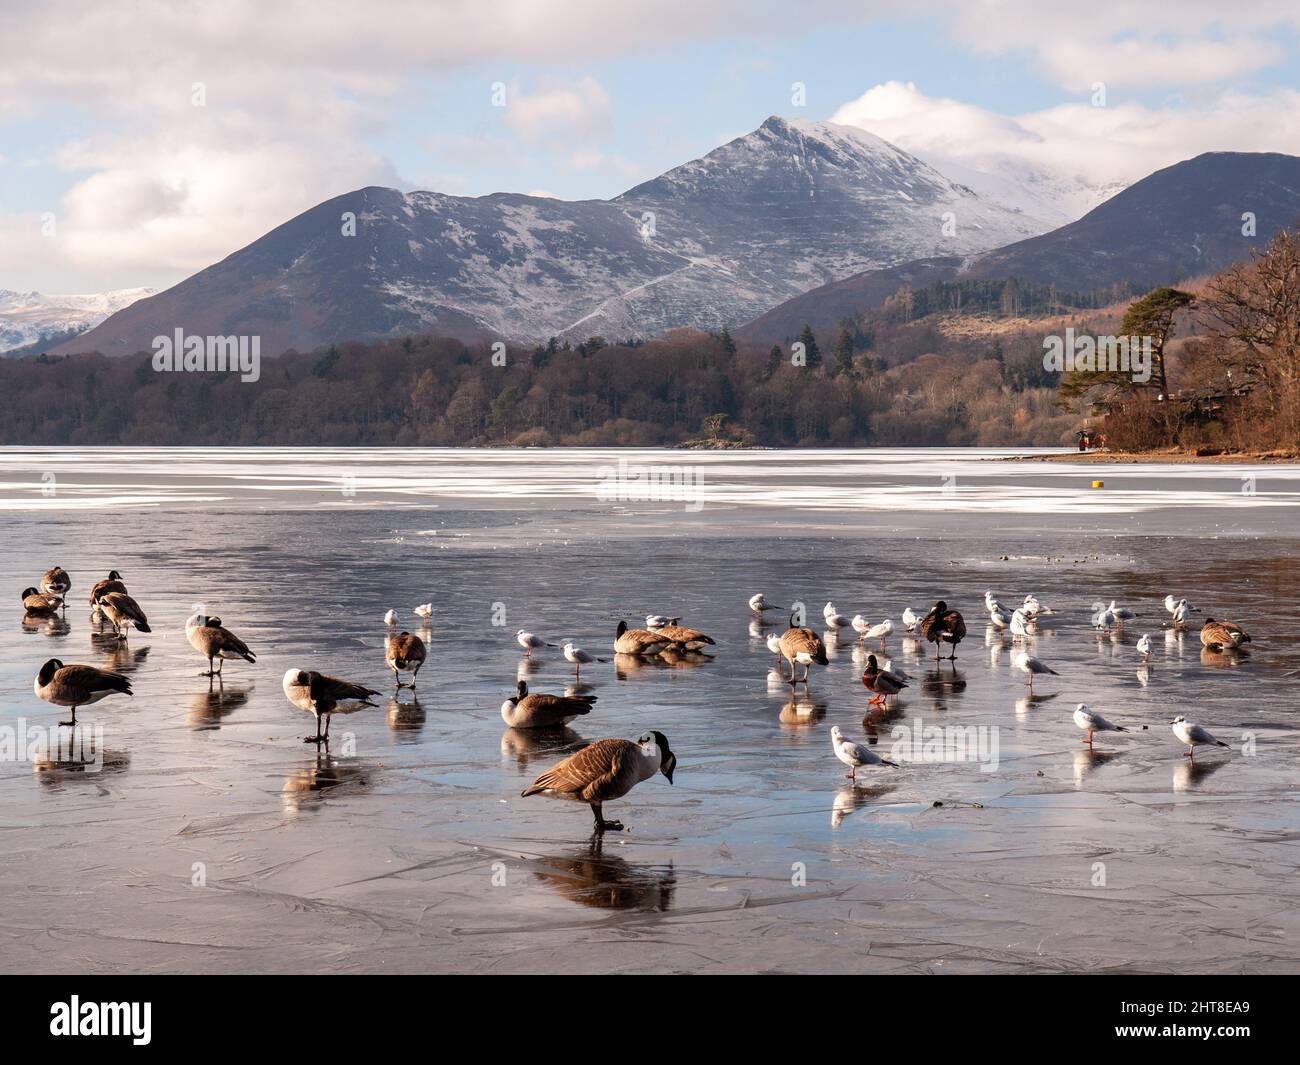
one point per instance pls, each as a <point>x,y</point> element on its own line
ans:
<point>590,877</point>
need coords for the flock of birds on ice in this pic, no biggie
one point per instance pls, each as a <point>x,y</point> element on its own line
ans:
<point>609,768</point>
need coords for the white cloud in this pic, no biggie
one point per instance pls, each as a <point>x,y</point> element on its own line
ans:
<point>560,113</point>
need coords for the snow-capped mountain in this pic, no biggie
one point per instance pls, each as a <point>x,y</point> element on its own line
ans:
<point>714,242</point>
<point>29,317</point>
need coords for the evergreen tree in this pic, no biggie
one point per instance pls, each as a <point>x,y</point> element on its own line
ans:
<point>843,360</point>
<point>812,353</point>
<point>728,345</point>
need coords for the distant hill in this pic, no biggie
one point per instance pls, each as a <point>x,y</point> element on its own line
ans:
<point>30,319</point>
<point>1181,222</point>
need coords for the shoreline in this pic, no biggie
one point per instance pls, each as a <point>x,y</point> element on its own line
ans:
<point>1172,456</point>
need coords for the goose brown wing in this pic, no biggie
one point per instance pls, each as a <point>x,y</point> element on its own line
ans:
<point>602,770</point>
<point>682,634</point>
<point>332,689</point>
<point>795,640</point>
<point>126,606</point>
<point>90,679</point>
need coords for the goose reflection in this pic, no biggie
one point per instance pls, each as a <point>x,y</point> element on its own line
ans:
<point>68,755</point>
<point>526,744</point>
<point>117,654</point>
<point>590,877</point>
<point>46,624</point>
<point>801,711</point>
<point>854,796</point>
<point>1190,774</point>
<point>406,717</point>
<point>207,708</point>
<point>628,667</point>
<point>1225,659</point>
<point>1087,759</point>
<point>939,684</point>
<point>324,773</point>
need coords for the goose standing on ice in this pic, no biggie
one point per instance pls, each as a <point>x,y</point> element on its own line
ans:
<point>855,755</point>
<point>41,603</point>
<point>802,647</point>
<point>121,611</point>
<point>111,583</point>
<point>881,682</point>
<point>324,696</point>
<point>942,626</point>
<point>911,619</point>
<point>1223,635</point>
<point>632,642</point>
<point>1031,667</point>
<point>539,710</point>
<point>1090,721</point>
<point>404,652</point>
<point>1193,736</point>
<point>56,582</point>
<point>77,685</point>
<point>210,639</point>
<point>607,770</point>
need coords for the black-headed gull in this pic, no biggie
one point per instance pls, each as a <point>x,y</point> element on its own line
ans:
<point>575,654</point>
<point>758,604</point>
<point>834,619</point>
<point>425,611</point>
<point>1031,666</point>
<point>855,755</point>
<point>1091,721</point>
<point>1122,613</point>
<point>911,619</point>
<point>1144,645</point>
<point>529,641</point>
<point>1193,735</point>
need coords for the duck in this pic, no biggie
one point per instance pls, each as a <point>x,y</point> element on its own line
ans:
<point>1031,666</point>
<point>324,696</point>
<point>77,685</point>
<point>855,755</point>
<point>56,582</point>
<point>802,646</point>
<point>687,638</point>
<point>911,619</point>
<point>1223,635</point>
<point>41,604</point>
<point>607,770</point>
<point>404,651</point>
<point>122,611</point>
<point>941,626</point>
<point>1090,722</point>
<point>638,641</point>
<point>1193,735</point>
<point>881,682</point>
<point>207,636</point>
<point>539,710</point>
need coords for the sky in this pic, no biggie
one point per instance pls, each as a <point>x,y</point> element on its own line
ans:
<point>141,141</point>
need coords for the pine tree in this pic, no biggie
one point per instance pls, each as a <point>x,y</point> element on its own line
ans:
<point>774,359</point>
<point>728,345</point>
<point>843,360</point>
<point>812,353</point>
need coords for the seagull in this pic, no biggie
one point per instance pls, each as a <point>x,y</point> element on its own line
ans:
<point>390,619</point>
<point>424,610</point>
<point>834,620</point>
<point>992,603</point>
<point>324,696</point>
<point>758,604</point>
<point>855,755</point>
<point>1000,616</point>
<point>1144,646</point>
<point>575,654</point>
<point>403,652</point>
<point>658,621</point>
<point>528,641</point>
<point>77,685</point>
<point>882,682</point>
<point>1104,619</point>
<point>911,619</point>
<point>539,710</point>
<point>1183,612</point>
<point>605,770</point>
<point>889,668</point>
<point>1122,614</point>
<point>860,626</point>
<point>1193,735</point>
<point>1021,625</point>
<point>1172,604</point>
<point>1091,721</point>
<point>774,645</point>
<point>1033,607</point>
<point>207,636</point>
<point>1029,665</point>
<point>880,632</point>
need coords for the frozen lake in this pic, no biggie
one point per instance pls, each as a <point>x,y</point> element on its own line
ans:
<point>210,838</point>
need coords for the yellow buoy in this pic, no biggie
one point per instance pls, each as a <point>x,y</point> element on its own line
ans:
<point>1099,484</point>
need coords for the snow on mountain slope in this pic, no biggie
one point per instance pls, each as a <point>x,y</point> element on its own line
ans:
<point>28,317</point>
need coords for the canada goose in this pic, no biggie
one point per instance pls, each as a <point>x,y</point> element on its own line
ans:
<point>1144,645</point>
<point>40,603</point>
<point>1031,666</point>
<point>1091,721</point>
<point>835,620</point>
<point>324,696</point>
<point>635,642</point>
<point>606,770</point>
<point>56,582</point>
<point>575,654</point>
<point>1193,735</point>
<point>911,619</point>
<point>802,646</point>
<point>942,626</point>
<point>121,610</point>
<point>758,604</point>
<point>855,755</point>
<point>425,611</point>
<point>77,685</point>
<point>881,681</point>
<point>404,652</point>
<point>528,641</point>
<point>390,619</point>
<point>682,636</point>
<point>539,710</point>
<point>1223,635</point>
<point>207,636</point>
<point>111,583</point>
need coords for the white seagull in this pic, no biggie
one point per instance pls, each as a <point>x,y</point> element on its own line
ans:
<point>1029,665</point>
<point>1104,619</point>
<point>579,657</point>
<point>758,604</point>
<point>424,610</point>
<point>528,641</point>
<point>1144,645</point>
<point>855,755</point>
<point>1122,613</point>
<point>879,632</point>
<point>1021,624</point>
<point>1000,616</point>
<point>1172,603</point>
<point>1193,735</point>
<point>1033,607</point>
<point>390,619</point>
<point>1183,612</point>
<point>834,620</point>
<point>912,619</point>
<point>1091,721</point>
<point>860,625</point>
<point>658,621</point>
<point>774,645</point>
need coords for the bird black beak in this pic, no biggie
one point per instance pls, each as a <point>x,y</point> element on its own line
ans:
<point>670,763</point>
